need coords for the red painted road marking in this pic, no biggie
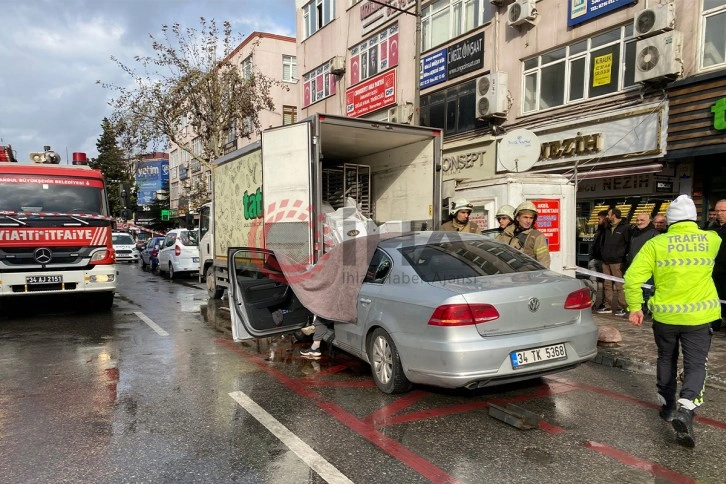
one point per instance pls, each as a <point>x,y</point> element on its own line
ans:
<point>643,403</point>
<point>380,416</point>
<point>636,463</point>
<point>359,426</point>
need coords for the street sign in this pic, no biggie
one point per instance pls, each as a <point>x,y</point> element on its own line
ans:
<point>165,215</point>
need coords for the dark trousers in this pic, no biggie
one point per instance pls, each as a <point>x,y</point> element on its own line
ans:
<point>694,342</point>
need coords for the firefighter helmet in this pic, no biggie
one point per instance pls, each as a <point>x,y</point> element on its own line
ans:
<point>526,206</point>
<point>506,211</point>
<point>460,204</point>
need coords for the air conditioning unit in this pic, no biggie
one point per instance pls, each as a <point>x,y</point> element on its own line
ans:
<point>659,57</point>
<point>654,20</point>
<point>400,114</point>
<point>521,12</point>
<point>337,65</point>
<point>491,95</point>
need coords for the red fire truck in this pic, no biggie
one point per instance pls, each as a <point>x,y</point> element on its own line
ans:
<point>55,229</point>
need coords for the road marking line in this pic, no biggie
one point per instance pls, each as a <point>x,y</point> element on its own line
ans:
<point>314,460</point>
<point>151,324</point>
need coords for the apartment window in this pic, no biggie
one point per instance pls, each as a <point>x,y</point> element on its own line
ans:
<point>246,67</point>
<point>197,146</point>
<point>585,69</point>
<point>289,68</point>
<point>451,109</point>
<point>289,115</point>
<point>443,20</point>
<point>374,55</point>
<point>318,84</point>
<point>713,50</point>
<point>174,158</point>
<point>317,14</point>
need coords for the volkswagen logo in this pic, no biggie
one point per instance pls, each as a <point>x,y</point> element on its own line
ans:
<point>533,304</point>
<point>42,255</point>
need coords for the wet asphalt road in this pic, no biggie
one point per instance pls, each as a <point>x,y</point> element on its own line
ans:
<point>151,392</point>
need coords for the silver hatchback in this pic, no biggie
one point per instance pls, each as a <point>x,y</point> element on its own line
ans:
<point>436,308</point>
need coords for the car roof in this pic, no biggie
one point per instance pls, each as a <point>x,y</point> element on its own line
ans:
<point>420,238</point>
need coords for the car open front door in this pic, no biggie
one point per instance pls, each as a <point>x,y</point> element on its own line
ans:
<point>260,301</point>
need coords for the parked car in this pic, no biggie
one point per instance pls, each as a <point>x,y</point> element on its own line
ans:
<point>150,252</point>
<point>435,308</point>
<point>179,253</point>
<point>125,247</point>
<point>141,239</point>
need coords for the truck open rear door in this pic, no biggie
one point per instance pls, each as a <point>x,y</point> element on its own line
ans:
<point>261,303</point>
<point>287,152</point>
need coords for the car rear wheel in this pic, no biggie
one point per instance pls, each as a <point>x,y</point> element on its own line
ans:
<point>386,363</point>
<point>213,291</point>
<point>171,271</point>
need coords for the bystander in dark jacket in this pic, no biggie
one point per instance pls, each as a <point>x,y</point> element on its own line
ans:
<point>614,249</point>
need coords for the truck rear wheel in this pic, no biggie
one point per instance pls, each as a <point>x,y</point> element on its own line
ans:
<point>213,291</point>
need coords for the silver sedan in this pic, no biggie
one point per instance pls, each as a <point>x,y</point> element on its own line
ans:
<point>435,308</point>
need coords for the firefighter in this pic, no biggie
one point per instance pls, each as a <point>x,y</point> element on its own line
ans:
<point>460,210</point>
<point>684,305</point>
<point>523,236</point>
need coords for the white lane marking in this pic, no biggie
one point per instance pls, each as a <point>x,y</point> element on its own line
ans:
<point>151,324</point>
<point>314,460</point>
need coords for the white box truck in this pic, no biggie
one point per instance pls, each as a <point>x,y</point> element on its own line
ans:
<point>276,193</point>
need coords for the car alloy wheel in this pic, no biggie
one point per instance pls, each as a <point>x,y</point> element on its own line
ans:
<point>386,363</point>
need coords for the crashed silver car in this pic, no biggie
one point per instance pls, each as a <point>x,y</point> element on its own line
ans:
<point>436,308</point>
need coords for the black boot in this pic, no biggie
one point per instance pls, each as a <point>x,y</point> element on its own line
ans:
<point>683,425</point>
<point>668,412</point>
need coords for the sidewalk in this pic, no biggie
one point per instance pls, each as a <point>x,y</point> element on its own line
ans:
<point>637,351</point>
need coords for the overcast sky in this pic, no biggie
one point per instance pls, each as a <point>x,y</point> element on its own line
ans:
<point>52,52</point>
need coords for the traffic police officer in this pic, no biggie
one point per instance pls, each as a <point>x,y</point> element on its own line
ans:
<point>684,305</point>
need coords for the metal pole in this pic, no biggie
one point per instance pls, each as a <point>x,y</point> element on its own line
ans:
<point>417,68</point>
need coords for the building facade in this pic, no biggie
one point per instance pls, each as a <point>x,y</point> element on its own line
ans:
<point>625,98</point>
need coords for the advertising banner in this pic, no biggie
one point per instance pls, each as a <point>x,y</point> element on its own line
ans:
<point>433,69</point>
<point>465,56</point>
<point>579,11</point>
<point>151,176</point>
<point>548,222</point>
<point>371,95</point>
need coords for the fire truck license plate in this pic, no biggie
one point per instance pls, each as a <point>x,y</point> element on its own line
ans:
<point>43,279</point>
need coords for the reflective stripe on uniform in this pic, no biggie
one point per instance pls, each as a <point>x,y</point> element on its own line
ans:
<point>684,308</point>
<point>696,261</point>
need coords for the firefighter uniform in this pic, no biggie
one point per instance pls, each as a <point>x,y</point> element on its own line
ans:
<point>685,303</point>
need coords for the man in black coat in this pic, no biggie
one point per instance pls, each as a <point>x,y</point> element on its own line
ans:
<point>614,248</point>
<point>594,263</point>
<point>641,233</point>
<point>719,268</point>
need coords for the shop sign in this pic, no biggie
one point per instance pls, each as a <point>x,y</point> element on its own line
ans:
<point>371,95</point>
<point>548,222</point>
<point>664,186</point>
<point>433,69</point>
<point>374,14</point>
<point>580,11</point>
<point>465,56</point>
<point>617,186</point>
<point>622,135</point>
<point>468,165</point>
<point>719,114</point>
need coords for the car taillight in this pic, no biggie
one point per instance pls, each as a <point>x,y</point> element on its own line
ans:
<point>579,299</point>
<point>177,250</point>
<point>463,314</point>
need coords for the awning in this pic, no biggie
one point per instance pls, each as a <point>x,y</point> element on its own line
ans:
<point>621,171</point>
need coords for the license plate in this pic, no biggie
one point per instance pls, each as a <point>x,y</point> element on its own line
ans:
<point>43,279</point>
<point>195,259</point>
<point>537,355</point>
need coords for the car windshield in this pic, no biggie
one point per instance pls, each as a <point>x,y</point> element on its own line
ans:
<point>122,239</point>
<point>188,237</point>
<point>142,237</point>
<point>447,261</point>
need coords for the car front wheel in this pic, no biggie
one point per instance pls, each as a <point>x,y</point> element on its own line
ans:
<point>386,363</point>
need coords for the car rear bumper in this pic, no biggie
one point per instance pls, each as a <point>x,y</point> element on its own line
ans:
<point>487,361</point>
